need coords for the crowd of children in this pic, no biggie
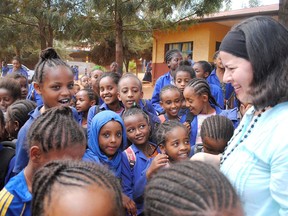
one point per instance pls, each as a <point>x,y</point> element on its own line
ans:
<point>134,138</point>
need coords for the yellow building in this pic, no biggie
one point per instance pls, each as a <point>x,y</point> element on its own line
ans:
<point>203,39</point>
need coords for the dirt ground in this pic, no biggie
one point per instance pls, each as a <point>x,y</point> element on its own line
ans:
<point>147,87</point>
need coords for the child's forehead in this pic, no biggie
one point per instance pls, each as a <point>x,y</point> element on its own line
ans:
<point>131,82</point>
<point>182,73</point>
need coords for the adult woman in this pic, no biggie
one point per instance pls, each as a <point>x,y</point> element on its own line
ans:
<point>255,57</point>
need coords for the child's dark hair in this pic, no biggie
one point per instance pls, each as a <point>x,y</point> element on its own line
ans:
<point>17,58</point>
<point>56,129</point>
<point>73,175</point>
<point>189,188</point>
<point>206,66</point>
<point>217,127</point>
<point>19,110</point>
<point>135,111</point>
<point>2,119</point>
<point>163,129</point>
<point>216,54</point>
<point>200,87</point>
<point>114,76</point>
<point>170,53</point>
<point>185,66</point>
<point>91,94</point>
<point>16,76</point>
<point>128,75</point>
<point>169,87</point>
<point>48,59</point>
<point>12,86</point>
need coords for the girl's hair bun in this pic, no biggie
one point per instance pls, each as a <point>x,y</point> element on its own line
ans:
<point>49,53</point>
<point>185,62</point>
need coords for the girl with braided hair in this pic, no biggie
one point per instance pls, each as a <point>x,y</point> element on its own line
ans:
<point>191,188</point>
<point>76,188</point>
<point>141,159</point>
<point>53,135</point>
<point>173,140</point>
<point>202,105</point>
<point>54,81</point>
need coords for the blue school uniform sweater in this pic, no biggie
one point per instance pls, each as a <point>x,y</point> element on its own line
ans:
<point>213,79</point>
<point>134,179</point>
<point>162,81</point>
<point>15,198</point>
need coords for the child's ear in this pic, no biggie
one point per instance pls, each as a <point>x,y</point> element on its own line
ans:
<point>205,97</point>
<point>35,154</point>
<point>37,87</point>
<point>206,74</point>
<point>92,103</point>
<point>141,95</point>
<point>168,64</point>
<point>162,148</point>
<point>16,125</point>
<point>118,95</point>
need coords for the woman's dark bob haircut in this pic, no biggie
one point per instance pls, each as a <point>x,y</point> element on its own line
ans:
<point>267,49</point>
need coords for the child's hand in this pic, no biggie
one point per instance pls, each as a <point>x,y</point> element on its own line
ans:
<point>159,161</point>
<point>187,125</point>
<point>129,205</point>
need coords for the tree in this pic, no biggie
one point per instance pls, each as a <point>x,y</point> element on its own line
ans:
<point>254,3</point>
<point>283,12</point>
<point>124,18</point>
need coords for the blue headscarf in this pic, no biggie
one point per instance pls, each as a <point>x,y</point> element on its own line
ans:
<point>93,153</point>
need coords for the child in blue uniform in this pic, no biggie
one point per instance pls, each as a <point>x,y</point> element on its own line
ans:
<point>76,188</point>
<point>85,99</point>
<point>171,101</point>
<point>23,81</point>
<point>131,95</point>
<point>203,70</point>
<point>202,105</point>
<point>106,141</point>
<point>108,91</point>
<point>54,135</point>
<point>54,81</point>
<point>172,58</point>
<point>137,159</point>
<point>10,91</point>
<point>173,140</point>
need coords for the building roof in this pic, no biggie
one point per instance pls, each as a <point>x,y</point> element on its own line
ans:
<point>229,18</point>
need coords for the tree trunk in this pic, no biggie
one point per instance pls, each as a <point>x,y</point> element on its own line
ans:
<point>42,35</point>
<point>50,37</point>
<point>119,42</point>
<point>283,12</point>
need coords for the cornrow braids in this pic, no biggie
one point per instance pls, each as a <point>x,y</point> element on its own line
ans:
<point>91,94</point>
<point>19,110</point>
<point>56,129</point>
<point>131,75</point>
<point>135,111</point>
<point>163,129</point>
<point>206,66</point>
<point>114,76</point>
<point>189,188</point>
<point>72,175</point>
<point>12,86</point>
<point>169,87</point>
<point>170,53</point>
<point>48,59</point>
<point>217,127</point>
<point>201,87</point>
<point>186,68</point>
